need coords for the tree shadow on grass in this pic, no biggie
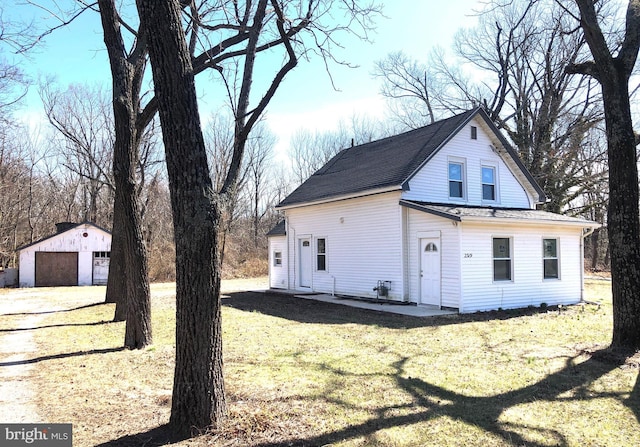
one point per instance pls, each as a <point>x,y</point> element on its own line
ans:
<point>633,402</point>
<point>48,326</point>
<point>61,356</point>
<point>162,435</point>
<point>430,402</point>
<point>45,312</point>
<point>310,311</point>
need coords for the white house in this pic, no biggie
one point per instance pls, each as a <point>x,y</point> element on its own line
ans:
<point>77,255</point>
<point>444,215</point>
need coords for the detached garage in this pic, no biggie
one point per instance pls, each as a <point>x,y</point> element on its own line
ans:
<point>77,255</point>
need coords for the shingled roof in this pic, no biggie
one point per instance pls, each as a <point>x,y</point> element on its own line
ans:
<point>386,163</point>
<point>462,213</point>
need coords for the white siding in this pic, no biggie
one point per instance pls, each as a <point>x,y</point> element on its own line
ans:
<point>364,244</point>
<point>420,223</point>
<point>527,287</point>
<point>431,183</point>
<point>69,241</point>
<point>278,274</point>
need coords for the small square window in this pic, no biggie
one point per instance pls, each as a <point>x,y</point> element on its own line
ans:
<point>277,258</point>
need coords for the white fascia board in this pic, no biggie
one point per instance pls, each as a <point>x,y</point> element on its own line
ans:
<point>509,220</point>
<point>368,192</point>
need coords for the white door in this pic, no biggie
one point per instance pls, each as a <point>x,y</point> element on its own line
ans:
<point>430,271</point>
<point>306,262</point>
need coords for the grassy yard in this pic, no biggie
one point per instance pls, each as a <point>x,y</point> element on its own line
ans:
<point>300,372</point>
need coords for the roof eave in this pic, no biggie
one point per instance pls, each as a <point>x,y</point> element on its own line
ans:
<point>493,220</point>
<point>440,146</point>
<point>425,209</point>
<point>368,192</point>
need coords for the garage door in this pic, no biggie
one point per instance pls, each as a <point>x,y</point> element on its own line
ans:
<point>56,269</point>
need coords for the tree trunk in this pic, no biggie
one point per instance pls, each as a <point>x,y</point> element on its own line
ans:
<point>133,291</point>
<point>623,216</point>
<point>116,290</point>
<point>595,242</point>
<point>198,389</point>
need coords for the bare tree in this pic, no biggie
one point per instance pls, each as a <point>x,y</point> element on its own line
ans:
<point>259,155</point>
<point>612,65</point>
<point>517,52</point>
<point>310,150</point>
<point>82,116</point>
<point>411,86</point>
<point>198,394</point>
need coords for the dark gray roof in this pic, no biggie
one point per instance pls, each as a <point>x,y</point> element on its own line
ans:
<point>388,162</point>
<point>278,230</point>
<point>461,213</point>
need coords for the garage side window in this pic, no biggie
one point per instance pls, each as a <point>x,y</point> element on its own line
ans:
<point>277,259</point>
<point>502,266</point>
<point>321,254</point>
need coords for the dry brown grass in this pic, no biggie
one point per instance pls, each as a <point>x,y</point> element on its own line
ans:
<point>301,372</point>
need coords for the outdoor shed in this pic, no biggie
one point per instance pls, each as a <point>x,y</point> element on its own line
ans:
<point>77,255</point>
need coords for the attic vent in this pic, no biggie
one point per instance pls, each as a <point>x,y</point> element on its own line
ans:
<point>474,133</point>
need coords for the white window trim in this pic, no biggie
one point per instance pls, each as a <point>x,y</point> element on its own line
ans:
<point>496,182</point>
<point>463,162</point>
<point>276,258</point>
<point>557,239</point>
<point>326,253</point>
<point>511,258</point>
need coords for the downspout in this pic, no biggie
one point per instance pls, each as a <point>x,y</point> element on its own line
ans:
<point>590,231</point>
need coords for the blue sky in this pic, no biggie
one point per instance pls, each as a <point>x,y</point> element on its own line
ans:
<point>307,99</point>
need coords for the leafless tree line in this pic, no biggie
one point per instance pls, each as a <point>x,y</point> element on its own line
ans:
<point>61,172</point>
<point>513,63</point>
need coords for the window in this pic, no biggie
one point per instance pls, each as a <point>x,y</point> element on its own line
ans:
<point>456,180</point>
<point>501,259</point>
<point>321,254</point>
<point>277,258</point>
<point>474,133</point>
<point>101,254</point>
<point>431,248</point>
<point>488,183</point>
<point>550,258</point>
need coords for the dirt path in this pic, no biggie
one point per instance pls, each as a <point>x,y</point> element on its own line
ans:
<point>16,346</point>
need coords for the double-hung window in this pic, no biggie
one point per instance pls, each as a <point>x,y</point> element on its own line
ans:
<point>502,265</point>
<point>456,180</point>
<point>550,260</point>
<point>321,254</point>
<point>488,183</point>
